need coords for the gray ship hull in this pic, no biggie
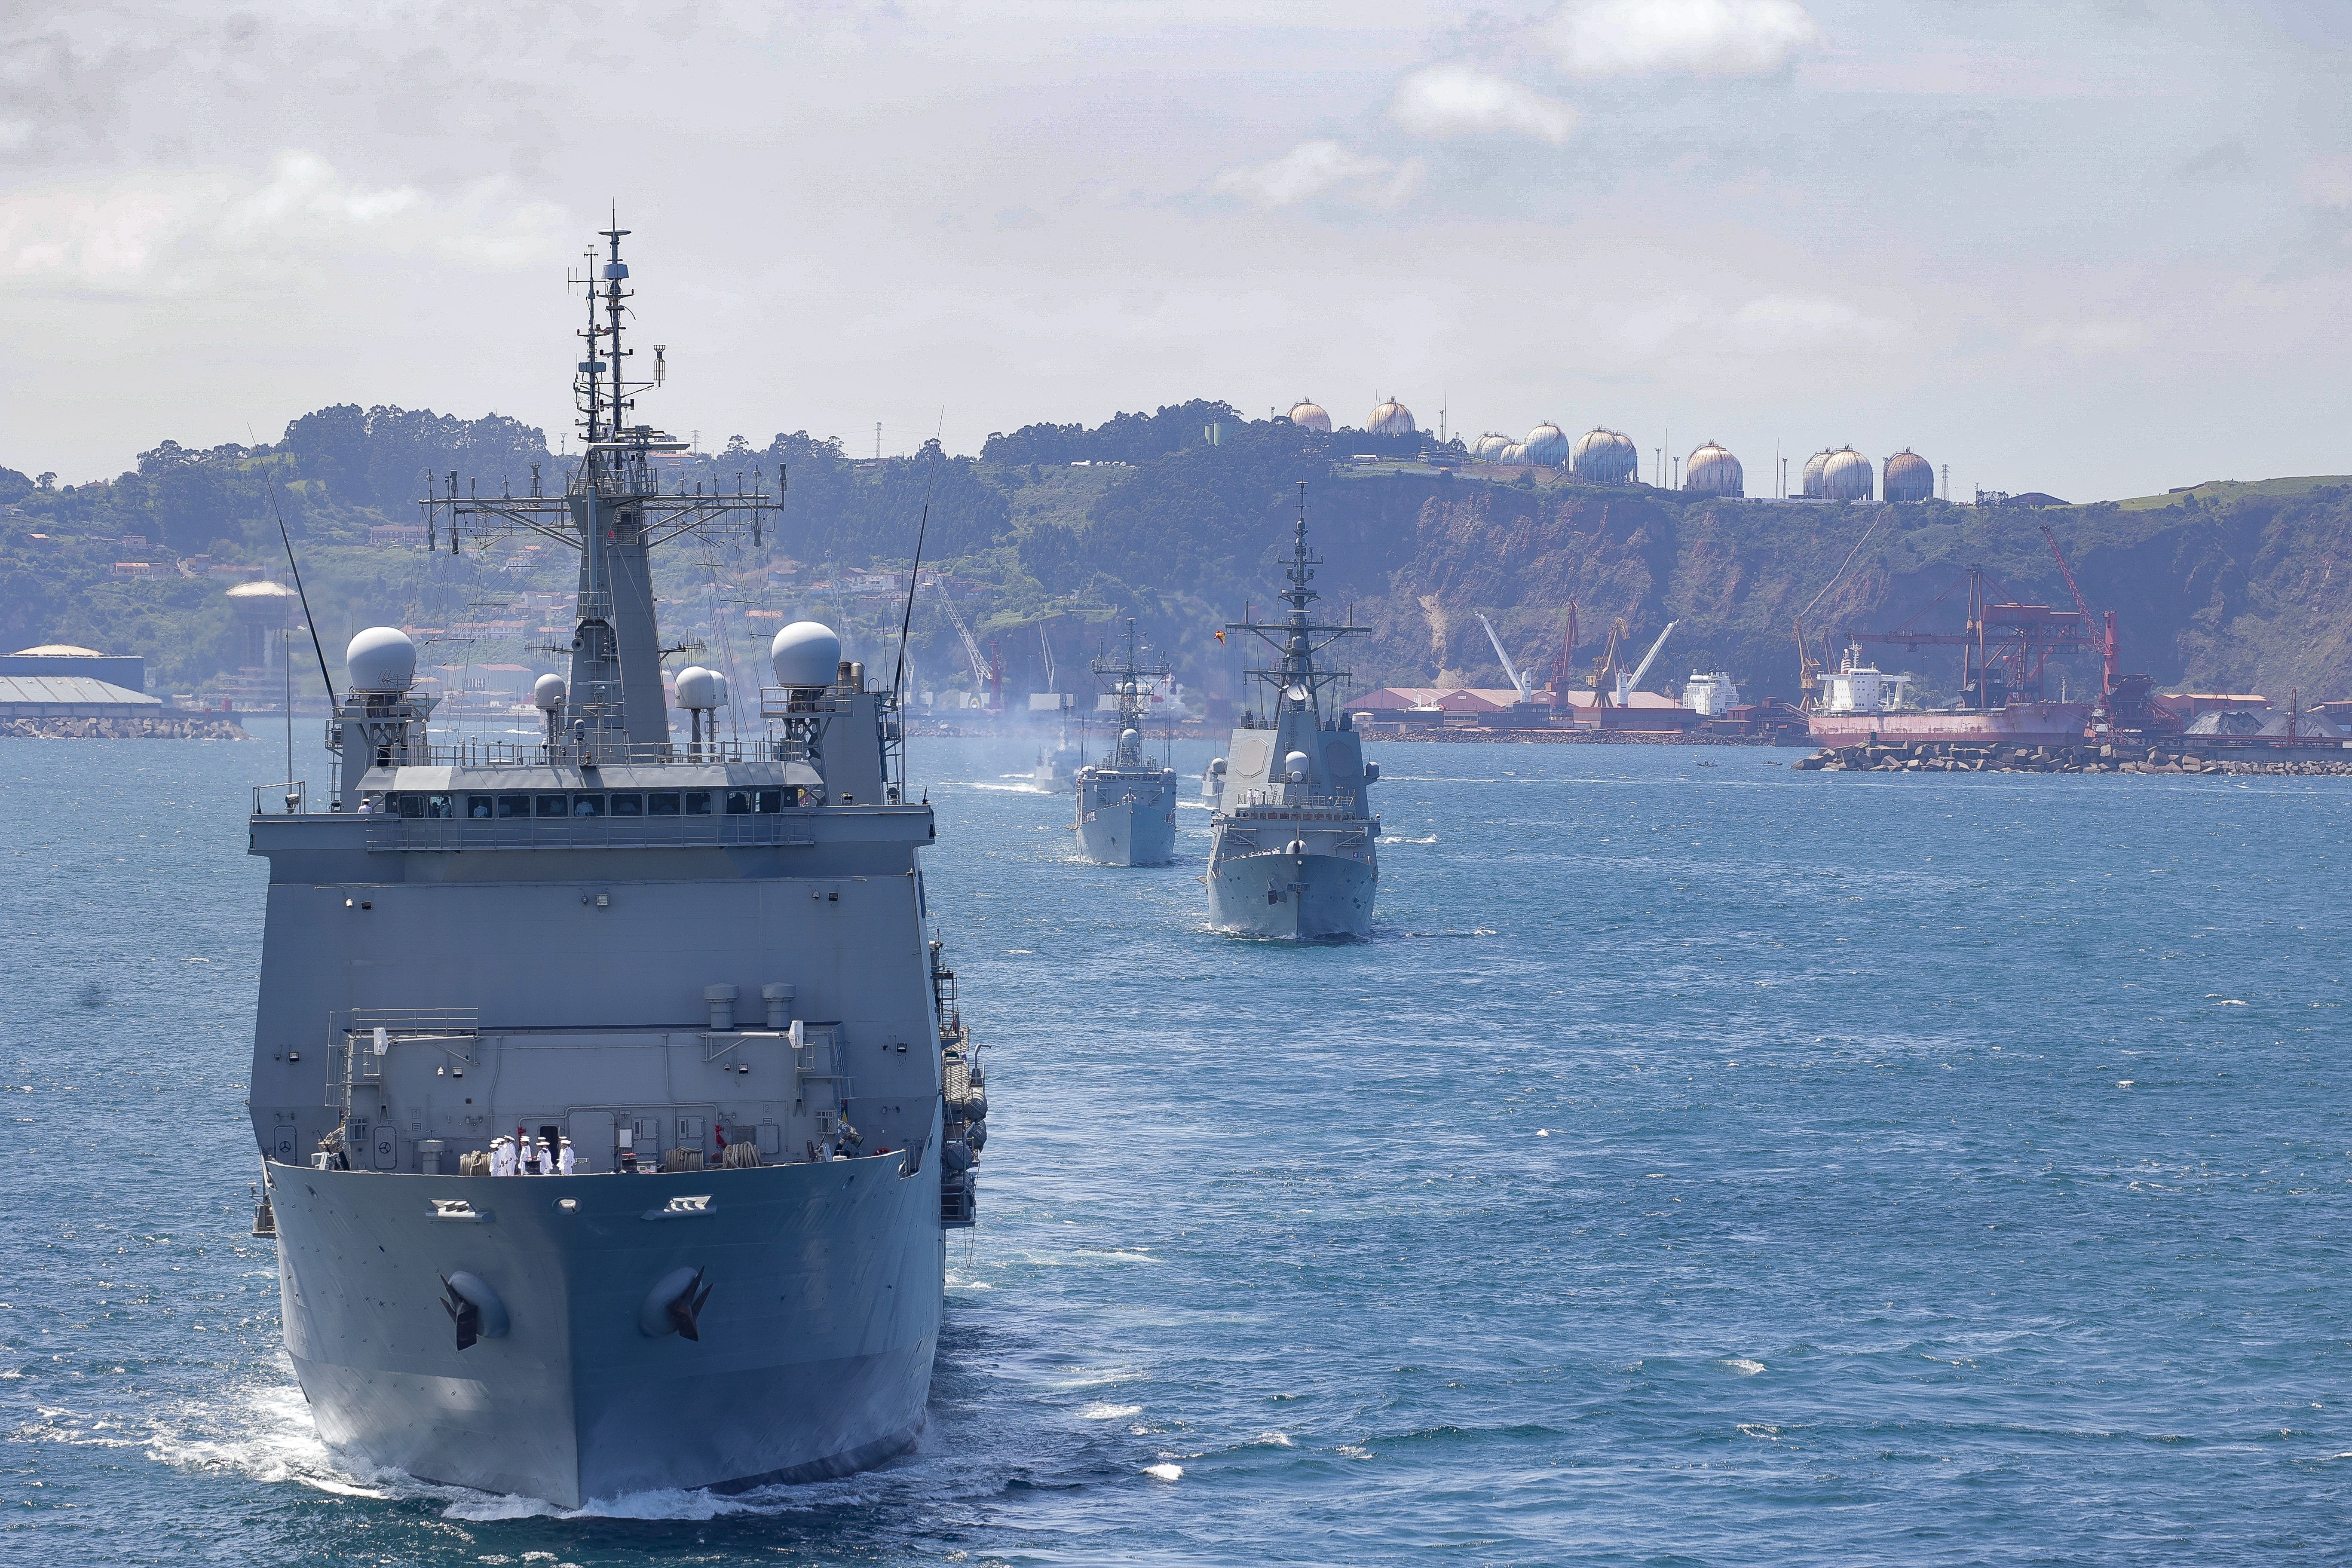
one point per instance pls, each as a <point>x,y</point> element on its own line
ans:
<point>816,1347</point>
<point>1127,824</point>
<point>1306,897</point>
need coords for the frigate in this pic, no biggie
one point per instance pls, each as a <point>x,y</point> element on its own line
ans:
<point>1127,806</point>
<point>614,1103</point>
<point>1292,838</point>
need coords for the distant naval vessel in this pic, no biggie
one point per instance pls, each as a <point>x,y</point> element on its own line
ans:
<point>1127,806</point>
<point>1292,836</point>
<point>613,1104</point>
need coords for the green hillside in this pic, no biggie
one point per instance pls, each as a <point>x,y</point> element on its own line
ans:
<point>1065,528</point>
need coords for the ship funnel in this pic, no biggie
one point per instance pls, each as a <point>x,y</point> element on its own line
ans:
<point>381,659</point>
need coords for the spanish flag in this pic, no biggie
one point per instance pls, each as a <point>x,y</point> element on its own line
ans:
<point>1221,636</point>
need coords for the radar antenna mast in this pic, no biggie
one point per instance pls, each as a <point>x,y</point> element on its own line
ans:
<point>1297,679</point>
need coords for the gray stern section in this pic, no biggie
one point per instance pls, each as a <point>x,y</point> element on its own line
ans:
<point>816,1337</point>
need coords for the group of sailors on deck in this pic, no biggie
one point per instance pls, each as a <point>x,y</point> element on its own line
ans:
<point>521,1156</point>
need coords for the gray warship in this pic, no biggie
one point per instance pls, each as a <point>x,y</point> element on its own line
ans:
<point>612,1102</point>
<point>1127,806</point>
<point>1292,838</point>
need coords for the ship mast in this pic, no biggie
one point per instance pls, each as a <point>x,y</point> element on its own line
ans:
<point>1299,683</point>
<point>1127,689</point>
<point>614,511</point>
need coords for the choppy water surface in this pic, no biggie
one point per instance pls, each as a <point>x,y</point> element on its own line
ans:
<point>1705,1163</point>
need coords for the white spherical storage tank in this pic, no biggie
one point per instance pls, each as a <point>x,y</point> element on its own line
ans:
<point>1488,449</point>
<point>1812,477</point>
<point>1391,419</point>
<point>1908,477</point>
<point>1847,474</point>
<point>1605,456</point>
<point>1547,444</point>
<point>1712,470</point>
<point>1308,415</point>
<point>805,654</point>
<point>381,659</point>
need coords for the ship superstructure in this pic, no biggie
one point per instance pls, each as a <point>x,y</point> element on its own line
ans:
<point>1292,835</point>
<point>1127,804</point>
<point>613,1102</point>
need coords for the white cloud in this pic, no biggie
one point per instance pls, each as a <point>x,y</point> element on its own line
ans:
<point>2094,337</point>
<point>1769,325</point>
<point>1463,100</point>
<point>165,231</point>
<point>1321,168</point>
<point>1699,38</point>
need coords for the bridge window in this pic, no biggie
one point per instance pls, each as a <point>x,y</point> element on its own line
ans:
<point>741,802</point>
<point>628,806</point>
<point>697,803</point>
<point>514,806</point>
<point>661,804</point>
<point>555,806</point>
<point>478,806</point>
<point>587,805</point>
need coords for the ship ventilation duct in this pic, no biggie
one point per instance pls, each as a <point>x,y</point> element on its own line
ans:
<point>779,998</point>
<point>722,1007</point>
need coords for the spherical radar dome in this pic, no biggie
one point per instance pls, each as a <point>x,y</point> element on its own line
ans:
<point>1391,419</point>
<point>381,659</point>
<point>547,693</point>
<point>1908,477</point>
<point>1547,444</point>
<point>1847,474</point>
<point>1712,470</point>
<point>1308,415</point>
<point>1605,456</point>
<point>805,654</point>
<point>697,687</point>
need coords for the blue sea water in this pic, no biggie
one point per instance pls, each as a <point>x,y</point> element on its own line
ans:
<point>1705,1163</point>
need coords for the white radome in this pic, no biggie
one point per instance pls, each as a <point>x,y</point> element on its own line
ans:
<point>805,654</point>
<point>381,659</point>
<point>547,693</point>
<point>694,688</point>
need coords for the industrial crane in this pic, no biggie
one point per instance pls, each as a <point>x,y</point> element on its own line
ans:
<point>1518,678</point>
<point>1626,683</point>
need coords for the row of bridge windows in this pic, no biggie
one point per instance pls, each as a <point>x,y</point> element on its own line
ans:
<point>588,802</point>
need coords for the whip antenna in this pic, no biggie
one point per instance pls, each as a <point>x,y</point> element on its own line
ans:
<point>296,568</point>
<point>899,676</point>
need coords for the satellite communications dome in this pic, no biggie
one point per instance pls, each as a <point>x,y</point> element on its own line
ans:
<point>1130,738</point>
<point>696,688</point>
<point>1847,474</point>
<point>1488,449</point>
<point>805,654</point>
<point>1308,415</point>
<point>1712,470</point>
<point>379,660</point>
<point>1391,419</point>
<point>1605,456</point>
<point>1908,477</point>
<point>1547,443</point>
<point>547,693</point>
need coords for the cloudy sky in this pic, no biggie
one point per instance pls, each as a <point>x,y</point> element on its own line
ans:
<point>2095,247</point>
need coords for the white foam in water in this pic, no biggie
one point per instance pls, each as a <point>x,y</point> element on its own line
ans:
<point>1165,1472</point>
<point>1744,1367</point>
<point>1099,1411</point>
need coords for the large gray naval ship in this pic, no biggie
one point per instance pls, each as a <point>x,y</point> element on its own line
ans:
<point>1127,806</point>
<point>613,1104</point>
<point>1292,834</point>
